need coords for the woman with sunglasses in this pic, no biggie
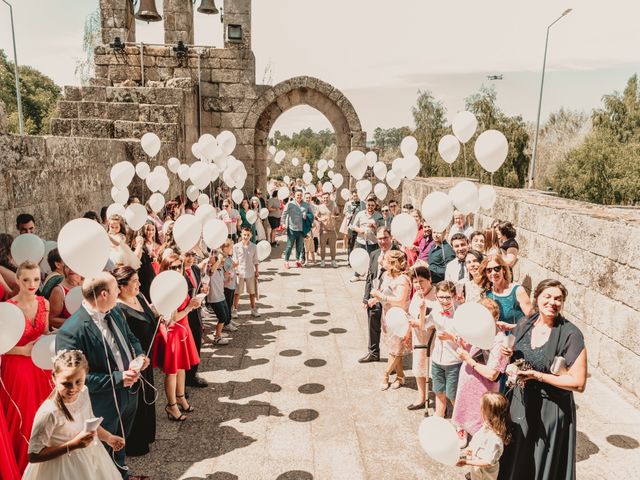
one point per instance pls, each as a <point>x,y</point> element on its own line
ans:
<point>174,349</point>
<point>511,296</point>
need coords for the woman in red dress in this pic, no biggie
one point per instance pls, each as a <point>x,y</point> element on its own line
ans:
<point>21,399</point>
<point>175,350</point>
<point>58,312</point>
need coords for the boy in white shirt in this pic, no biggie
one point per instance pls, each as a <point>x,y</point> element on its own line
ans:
<point>245,254</point>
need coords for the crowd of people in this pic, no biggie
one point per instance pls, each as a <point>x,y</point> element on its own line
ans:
<point>511,405</point>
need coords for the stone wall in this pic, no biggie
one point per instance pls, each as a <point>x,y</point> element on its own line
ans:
<point>592,249</point>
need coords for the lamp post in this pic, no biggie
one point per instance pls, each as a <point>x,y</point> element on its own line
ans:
<point>15,68</point>
<point>544,64</point>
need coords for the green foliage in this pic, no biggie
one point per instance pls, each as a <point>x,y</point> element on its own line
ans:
<point>429,116</point>
<point>605,168</point>
<point>308,146</point>
<point>40,96</point>
<point>390,138</point>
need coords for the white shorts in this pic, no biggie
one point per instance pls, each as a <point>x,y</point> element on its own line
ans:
<point>246,284</point>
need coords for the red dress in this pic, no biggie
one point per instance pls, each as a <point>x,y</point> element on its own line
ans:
<point>174,348</point>
<point>27,384</point>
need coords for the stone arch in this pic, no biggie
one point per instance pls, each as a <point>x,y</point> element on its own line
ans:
<point>328,100</point>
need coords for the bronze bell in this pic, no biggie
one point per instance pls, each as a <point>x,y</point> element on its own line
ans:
<point>208,7</point>
<point>148,11</point>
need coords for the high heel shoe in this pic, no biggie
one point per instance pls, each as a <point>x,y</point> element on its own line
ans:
<point>170,415</point>
<point>189,408</point>
<point>397,383</point>
<point>385,382</point>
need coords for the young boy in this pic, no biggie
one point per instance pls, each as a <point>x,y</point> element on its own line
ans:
<point>215,298</point>
<point>246,255</point>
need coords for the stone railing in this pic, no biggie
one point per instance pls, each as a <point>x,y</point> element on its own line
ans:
<point>592,249</point>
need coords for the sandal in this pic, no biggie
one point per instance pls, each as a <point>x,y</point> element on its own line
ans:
<point>385,382</point>
<point>170,416</point>
<point>188,409</point>
<point>398,382</point>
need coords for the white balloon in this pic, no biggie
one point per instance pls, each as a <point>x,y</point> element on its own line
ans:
<point>143,169</point>
<point>196,150</point>
<point>437,211</point>
<point>27,247</point>
<point>380,170</point>
<point>487,196</point>
<point>345,194</point>
<point>330,174</point>
<point>399,167</point>
<point>307,177</point>
<point>311,189</point>
<point>84,246</point>
<point>205,212</point>
<point>327,187</point>
<point>337,180</point>
<point>475,324</point>
<point>173,164</point>
<point>237,196</point>
<point>464,126</point>
<point>214,171</point>
<point>359,260</point>
<point>439,439</point>
<point>449,148</point>
<point>380,191</point>
<point>208,145</point>
<point>393,180</point>
<point>286,179</point>
<point>152,181</point>
<point>371,158</point>
<point>122,173</point>
<point>163,184</point>
<point>222,162</point>
<point>251,216</point>
<point>186,232</point>
<point>227,142</point>
<point>280,156</point>
<point>272,149</point>
<point>160,170</point>
<point>115,209</point>
<point>268,171</point>
<point>464,196</point>
<point>183,172</point>
<point>156,202</point>
<point>295,161</point>
<point>136,216</point>
<point>168,290</point>
<point>491,149</point>
<point>44,351</point>
<point>364,188</point>
<point>404,229</point>
<point>12,326</point>
<point>264,250</point>
<point>409,146</point>
<point>200,174</point>
<point>214,233</point>
<point>150,143</point>
<point>264,213</point>
<point>193,193</point>
<point>306,167</point>
<point>320,174</point>
<point>283,192</point>
<point>331,164</point>
<point>44,265</point>
<point>356,164</point>
<point>203,199</point>
<point>322,164</point>
<point>73,299</point>
<point>397,321</point>
<point>412,167</point>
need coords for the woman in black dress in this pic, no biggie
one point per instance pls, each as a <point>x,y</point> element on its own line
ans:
<point>543,412</point>
<point>142,322</point>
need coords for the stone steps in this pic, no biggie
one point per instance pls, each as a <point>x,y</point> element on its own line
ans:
<point>106,128</point>
<point>134,112</point>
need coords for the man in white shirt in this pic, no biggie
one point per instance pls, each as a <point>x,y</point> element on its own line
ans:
<point>459,226</point>
<point>327,213</point>
<point>365,224</point>
<point>456,270</point>
<point>246,254</point>
<point>231,217</point>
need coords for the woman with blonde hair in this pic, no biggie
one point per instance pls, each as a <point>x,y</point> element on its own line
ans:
<point>395,291</point>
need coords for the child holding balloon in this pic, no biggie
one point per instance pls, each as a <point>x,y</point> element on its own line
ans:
<point>487,445</point>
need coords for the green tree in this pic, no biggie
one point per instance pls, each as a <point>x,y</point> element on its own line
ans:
<point>40,96</point>
<point>429,117</point>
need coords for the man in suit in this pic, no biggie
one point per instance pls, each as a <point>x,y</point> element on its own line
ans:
<point>374,278</point>
<point>193,277</point>
<point>100,331</point>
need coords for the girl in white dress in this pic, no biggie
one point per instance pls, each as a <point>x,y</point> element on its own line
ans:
<point>59,446</point>
<point>261,233</point>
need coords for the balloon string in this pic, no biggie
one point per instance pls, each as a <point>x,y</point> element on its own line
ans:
<point>492,179</point>
<point>17,410</point>
<point>464,154</point>
<point>451,171</point>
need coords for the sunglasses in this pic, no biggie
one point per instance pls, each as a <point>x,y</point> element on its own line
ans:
<point>385,210</point>
<point>175,267</point>
<point>443,297</point>
<point>494,269</point>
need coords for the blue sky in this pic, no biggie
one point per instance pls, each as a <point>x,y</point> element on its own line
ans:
<point>380,53</point>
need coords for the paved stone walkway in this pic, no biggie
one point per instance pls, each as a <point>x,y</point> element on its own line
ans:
<point>288,401</point>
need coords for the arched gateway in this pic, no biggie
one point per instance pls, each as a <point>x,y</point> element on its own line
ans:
<point>328,100</point>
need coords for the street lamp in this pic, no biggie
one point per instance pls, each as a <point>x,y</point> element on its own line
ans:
<point>15,68</point>
<point>544,64</point>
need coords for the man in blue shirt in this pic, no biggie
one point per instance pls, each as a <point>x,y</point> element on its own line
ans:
<point>295,214</point>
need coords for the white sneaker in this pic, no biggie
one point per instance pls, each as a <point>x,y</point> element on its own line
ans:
<point>234,313</point>
<point>234,324</point>
<point>321,263</point>
<point>334,264</point>
<point>220,341</point>
<point>230,328</point>
<point>354,279</point>
<point>255,313</point>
